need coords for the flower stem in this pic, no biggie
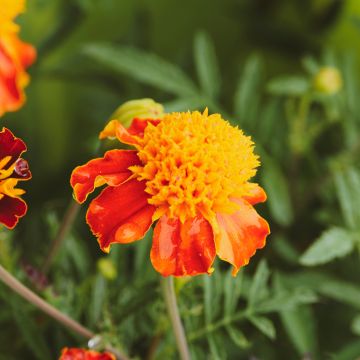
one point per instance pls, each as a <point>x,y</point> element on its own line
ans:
<point>50,310</point>
<point>167,285</point>
<point>64,228</point>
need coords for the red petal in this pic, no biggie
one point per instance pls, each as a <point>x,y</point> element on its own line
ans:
<point>112,169</point>
<point>257,195</point>
<point>240,235</point>
<point>127,136</point>
<point>120,214</point>
<point>10,146</point>
<point>11,209</point>
<point>183,249</point>
<point>82,354</point>
<point>138,126</point>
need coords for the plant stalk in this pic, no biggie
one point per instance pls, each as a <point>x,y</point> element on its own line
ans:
<point>50,310</point>
<point>65,226</point>
<point>167,285</point>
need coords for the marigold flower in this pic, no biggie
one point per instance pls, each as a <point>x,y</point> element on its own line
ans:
<point>82,354</point>
<point>12,170</point>
<point>15,57</point>
<point>190,171</point>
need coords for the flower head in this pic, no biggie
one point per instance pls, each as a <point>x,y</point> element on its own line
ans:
<point>189,172</point>
<point>15,57</point>
<point>12,170</point>
<point>82,354</point>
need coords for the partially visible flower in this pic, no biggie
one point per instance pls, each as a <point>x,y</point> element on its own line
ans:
<point>189,172</point>
<point>83,354</point>
<point>328,80</point>
<point>13,169</point>
<point>15,57</point>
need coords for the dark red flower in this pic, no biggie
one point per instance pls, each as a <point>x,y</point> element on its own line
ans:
<point>12,170</point>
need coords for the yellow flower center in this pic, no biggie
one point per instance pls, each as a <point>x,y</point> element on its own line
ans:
<point>7,185</point>
<point>9,9</point>
<point>195,163</point>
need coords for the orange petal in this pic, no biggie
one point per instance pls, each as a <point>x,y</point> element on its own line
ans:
<point>120,214</point>
<point>11,209</point>
<point>112,169</point>
<point>183,249</point>
<point>255,195</point>
<point>114,129</point>
<point>240,235</point>
<point>83,354</point>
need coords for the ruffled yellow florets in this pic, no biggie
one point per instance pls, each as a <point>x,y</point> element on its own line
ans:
<point>195,163</point>
<point>9,9</point>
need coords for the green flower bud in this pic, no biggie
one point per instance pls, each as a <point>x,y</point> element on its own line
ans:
<point>328,80</point>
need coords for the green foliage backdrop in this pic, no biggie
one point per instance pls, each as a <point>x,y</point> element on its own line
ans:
<point>256,62</point>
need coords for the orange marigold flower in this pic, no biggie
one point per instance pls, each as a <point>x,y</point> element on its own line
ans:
<point>15,57</point>
<point>82,354</point>
<point>190,171</point>
<point>12,170</point>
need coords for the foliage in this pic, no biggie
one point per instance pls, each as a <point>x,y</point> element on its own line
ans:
<point>300,295</point>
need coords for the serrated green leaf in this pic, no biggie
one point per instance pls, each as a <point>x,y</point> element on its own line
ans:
<point>144,67</point>
<point>288,86</point>
<point>237,337</point>
<point>247,91</point>
<point>258,289</point>
<point>287,300</point>
<point>206,64</point>
<point>333,243</point>
<point>264,325</point>
<point>277,189</point>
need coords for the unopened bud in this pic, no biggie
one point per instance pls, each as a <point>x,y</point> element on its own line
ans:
<point>107,268</point>
<point>141,109</point>
<point>328,80</point>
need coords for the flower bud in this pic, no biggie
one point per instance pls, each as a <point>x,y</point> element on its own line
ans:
<point>107,268</point>
<point>328,80</point>
<point>141,109</point>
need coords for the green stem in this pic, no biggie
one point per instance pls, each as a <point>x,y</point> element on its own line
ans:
<point>50,310</point>
<point>64,229</point>
<point>167,285</point>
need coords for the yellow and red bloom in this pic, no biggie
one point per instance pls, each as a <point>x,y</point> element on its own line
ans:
<point>189,172</point>
<point>13,169</point>
<point>82,354</point>
<point>15,57</point>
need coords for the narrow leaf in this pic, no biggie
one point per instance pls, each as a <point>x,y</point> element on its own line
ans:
<point>206,64</point>
<point>237,337</point>
<point>258,289</point>
<point>288,86</point>
<point>264,325</point>
<point>142,66</point>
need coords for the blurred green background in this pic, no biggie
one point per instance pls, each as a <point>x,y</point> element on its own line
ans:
<point>258,63</point>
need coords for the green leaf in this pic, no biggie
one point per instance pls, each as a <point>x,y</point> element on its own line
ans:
<point>333,243</point>
<point>349,351</point>
<point>30,331</point>
<point>347,182</point>
<point>232,289</point>
<point>206,64</point>
<point>278,192</point>
<point>247,92</point>
<point>264,325</point>
<point>287,300</point>
<point>237,337</point>
<point>258,289</point>
<point>288,86</point>
<point>299,324</point>
<point>97,299</point>
<point>142,66</point>
<point>355,325</point>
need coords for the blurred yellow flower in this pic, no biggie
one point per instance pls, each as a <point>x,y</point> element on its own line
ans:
<point>328,80</point>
